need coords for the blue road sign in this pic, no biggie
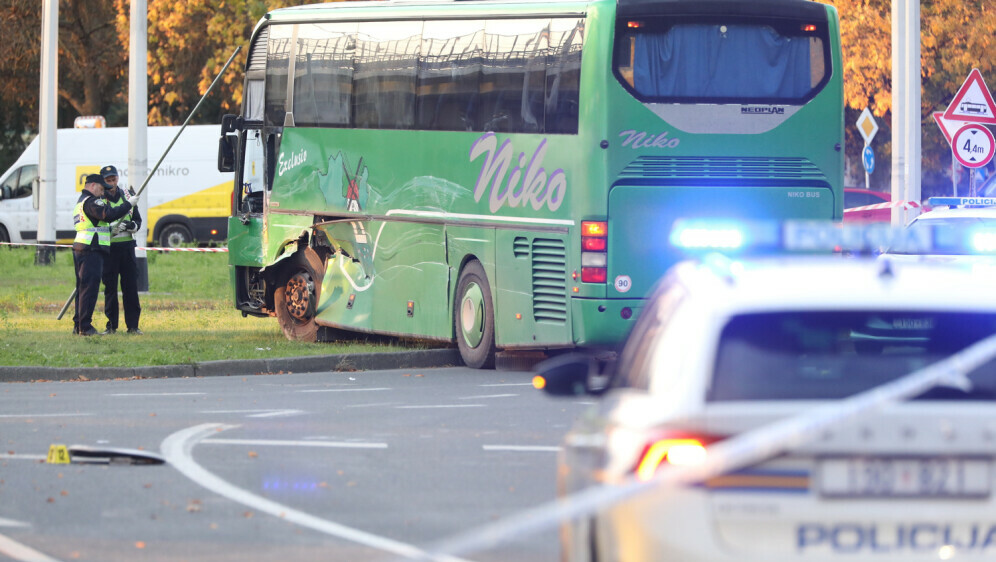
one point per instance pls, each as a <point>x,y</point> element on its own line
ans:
<point>868,159</point>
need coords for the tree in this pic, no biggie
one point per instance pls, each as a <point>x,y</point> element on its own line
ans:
<point>956,36</point>
<point>189,43</point>
<point>91,62</point>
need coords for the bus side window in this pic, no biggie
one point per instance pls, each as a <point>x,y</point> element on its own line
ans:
<point>514,71</point>
<point>449,75</point>
<point>563,76</point>
<point>385,73</point>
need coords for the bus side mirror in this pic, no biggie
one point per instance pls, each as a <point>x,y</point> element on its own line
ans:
<point>230,124</point>
<point>226,154</point>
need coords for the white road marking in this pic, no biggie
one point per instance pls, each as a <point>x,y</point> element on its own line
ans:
<point>22,457</point>
<point>159,394</point>
<point>370,405</point>
<point>427,406</point>
<point>178,448</point>
<point>509,384</point>
<point>42,415</point>
<point>487,396</point>
<point>342,390</point>
<point>20,552</point>
<point>521,448</point>
<point>12,523</point>
<point>279,443</point>
<point>257,413</point>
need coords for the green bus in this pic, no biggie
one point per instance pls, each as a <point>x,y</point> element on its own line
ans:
<point>504,173</point>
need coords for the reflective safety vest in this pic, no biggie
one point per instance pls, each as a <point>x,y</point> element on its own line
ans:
<point>85,229</point>
<point>123,236</point>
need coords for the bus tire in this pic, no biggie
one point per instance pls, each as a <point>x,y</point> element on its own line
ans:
<point>4,237</point>
<point>175,235</point>
<point>474,317</point>
<point>296,296</point>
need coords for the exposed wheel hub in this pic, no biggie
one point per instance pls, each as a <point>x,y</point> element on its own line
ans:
<point>472,315</point>
<point>298,295</point>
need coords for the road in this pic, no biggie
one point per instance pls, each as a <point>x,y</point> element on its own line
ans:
<point>335,466</point>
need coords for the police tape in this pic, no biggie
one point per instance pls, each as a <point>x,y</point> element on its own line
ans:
<point>906,205</point>
<point>735,453</point>
<point>137,248</point>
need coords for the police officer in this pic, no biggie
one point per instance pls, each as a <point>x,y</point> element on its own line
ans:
<point>92,217</point>
<point>121,261</point>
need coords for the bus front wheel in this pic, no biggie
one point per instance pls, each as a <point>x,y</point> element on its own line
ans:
<point>474,318</point>
<point>296,297</point>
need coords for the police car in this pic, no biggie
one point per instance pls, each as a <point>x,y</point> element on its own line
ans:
<point>964,229</point>
<point>729,346</point>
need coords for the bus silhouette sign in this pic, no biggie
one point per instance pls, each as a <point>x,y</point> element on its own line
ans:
<point>973,102</point>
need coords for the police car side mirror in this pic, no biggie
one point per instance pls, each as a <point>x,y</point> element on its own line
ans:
<point>567,375</point>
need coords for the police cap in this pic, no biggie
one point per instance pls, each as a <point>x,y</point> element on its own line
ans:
<point>96,178</point>
<point>108,171</point>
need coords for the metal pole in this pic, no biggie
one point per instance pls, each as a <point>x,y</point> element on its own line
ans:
<point>138,122</point>
<point>899,133</point>
<point>47,128</point>
<point>914,121</point>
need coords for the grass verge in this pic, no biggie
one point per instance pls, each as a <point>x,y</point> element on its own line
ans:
<point>187,317</point>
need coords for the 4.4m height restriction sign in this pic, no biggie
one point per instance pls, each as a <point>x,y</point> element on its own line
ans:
<point>973,145</point>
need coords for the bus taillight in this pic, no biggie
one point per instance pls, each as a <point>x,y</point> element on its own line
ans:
<point>594,256</point>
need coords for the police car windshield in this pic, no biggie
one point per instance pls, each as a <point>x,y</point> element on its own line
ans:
<point>827,355</point>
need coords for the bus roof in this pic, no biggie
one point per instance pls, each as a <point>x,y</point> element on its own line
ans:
<point>427,8</point>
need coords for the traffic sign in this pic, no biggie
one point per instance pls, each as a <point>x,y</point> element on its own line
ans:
<point>868,159</point>
<point>973,145</point>
<point>973,102</point>
<point>867,126</point>
<point>947,127</point>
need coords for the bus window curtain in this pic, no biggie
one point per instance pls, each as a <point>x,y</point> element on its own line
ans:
<point>706,61</point>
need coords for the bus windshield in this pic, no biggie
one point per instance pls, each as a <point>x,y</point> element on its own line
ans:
<point>732,62</point>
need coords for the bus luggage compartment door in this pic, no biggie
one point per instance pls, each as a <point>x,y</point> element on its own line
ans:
<point>641,217</point>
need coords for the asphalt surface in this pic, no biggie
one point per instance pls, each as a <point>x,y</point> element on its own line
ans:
<point>351,466</point>
<point>420,359</point>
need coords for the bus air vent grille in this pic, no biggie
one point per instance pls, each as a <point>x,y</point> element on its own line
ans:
<point>549,280</point>
<point>520,247</point>
<point>692,169</point>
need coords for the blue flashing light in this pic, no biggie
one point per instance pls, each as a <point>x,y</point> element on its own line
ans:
<point>962,201</point>
<point>983,241</point>
<point>705,236</point>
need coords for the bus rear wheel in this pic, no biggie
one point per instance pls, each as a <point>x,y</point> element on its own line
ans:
<point>296,297</point>
<point>474,318</point>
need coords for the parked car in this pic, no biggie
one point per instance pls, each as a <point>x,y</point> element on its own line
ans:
<point>856,197</point>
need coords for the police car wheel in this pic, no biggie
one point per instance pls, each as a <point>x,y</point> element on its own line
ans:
<point>474,317</point>
<point>296,296</point>
<point>4,237</point>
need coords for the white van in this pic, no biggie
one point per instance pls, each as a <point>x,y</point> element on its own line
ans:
<point>189,200</point>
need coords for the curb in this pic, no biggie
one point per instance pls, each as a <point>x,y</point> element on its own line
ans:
<point>284,365</point>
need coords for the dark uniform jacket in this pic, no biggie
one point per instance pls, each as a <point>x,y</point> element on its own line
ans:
<point>99,211</point>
